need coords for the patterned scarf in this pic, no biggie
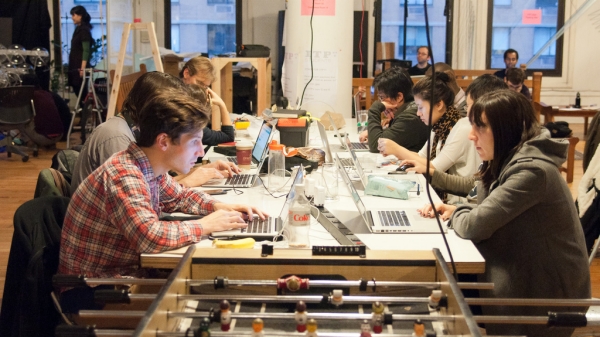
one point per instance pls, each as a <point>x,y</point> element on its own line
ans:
<point>442,128</point>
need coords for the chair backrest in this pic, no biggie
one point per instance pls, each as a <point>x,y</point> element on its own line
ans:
<point>367,83</point>
<point>16,105</point>
<point>126,84</point>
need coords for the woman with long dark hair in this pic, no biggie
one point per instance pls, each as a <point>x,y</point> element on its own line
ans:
<point>525,223</point>
<point>81,44</point>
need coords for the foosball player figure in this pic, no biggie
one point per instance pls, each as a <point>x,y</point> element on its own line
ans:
<point>225,315</point>
<point>434,299</point>
<point>337,297</point>
<point>257,327</point>
<point>365,329</point>
<point>311,328</point>
<point>377,318</point>
<point>418,329</point>
<point>300,316</point>
<point>204,330</point>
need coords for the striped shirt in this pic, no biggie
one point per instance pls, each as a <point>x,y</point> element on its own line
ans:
<point>113,217</point>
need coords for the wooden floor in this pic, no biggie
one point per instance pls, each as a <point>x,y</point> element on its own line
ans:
<point>18,179</point>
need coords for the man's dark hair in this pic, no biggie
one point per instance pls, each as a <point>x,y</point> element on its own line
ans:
<point>172,111</point>
<point>393,81</point>
<point>484,84</point>
<point>428,50</point>
<point>441,91</point>
<point>512,120</point>
<point>515,75</point>
<point>144,90</point>
<point>510,50</point>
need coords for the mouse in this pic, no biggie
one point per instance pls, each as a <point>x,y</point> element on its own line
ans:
<point>403,167</point>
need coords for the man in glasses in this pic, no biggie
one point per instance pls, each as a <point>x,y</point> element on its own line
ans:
<point>394,114</point>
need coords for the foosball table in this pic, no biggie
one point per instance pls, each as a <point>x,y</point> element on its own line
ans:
<point>230,292</point>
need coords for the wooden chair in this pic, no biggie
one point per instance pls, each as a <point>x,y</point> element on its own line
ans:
<point>126,83</point>
<point>369,98</point>
<point>540,108</point>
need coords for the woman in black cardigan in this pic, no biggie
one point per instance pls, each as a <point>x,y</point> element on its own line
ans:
<point>80,53</point>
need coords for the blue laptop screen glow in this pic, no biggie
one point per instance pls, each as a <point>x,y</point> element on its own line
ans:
<point>261,142</point>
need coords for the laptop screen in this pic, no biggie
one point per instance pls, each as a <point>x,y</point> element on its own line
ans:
<point>261,142</point>
<point>353,193</point>
<point>325,141</point>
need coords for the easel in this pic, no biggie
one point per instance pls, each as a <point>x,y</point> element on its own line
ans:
<point>112,103</point>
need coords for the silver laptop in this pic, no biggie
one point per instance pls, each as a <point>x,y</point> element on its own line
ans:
<point>390,221</point>
<point>346,162</point>
<point>260,145</point>
<point>268,228</point>
<point>357,146</point>
<point>259,155</point>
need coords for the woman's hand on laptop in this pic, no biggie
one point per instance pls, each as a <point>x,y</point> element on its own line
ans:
<point>249,210</point>
<point>445,211</point>
<point>222,220</point>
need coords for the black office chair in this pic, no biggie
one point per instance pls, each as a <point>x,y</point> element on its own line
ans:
<point>16,111</point>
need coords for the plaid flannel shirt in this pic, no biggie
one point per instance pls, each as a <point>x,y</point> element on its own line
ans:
<point>113,217</point>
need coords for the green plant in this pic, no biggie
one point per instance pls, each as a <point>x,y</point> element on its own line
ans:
<point>96,50</point>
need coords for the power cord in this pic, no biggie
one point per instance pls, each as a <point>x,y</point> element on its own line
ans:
<point>312,13</point>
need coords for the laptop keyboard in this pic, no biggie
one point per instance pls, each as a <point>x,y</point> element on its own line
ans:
<point>239,179</point>
<point>359,146</point>
<point>232,159</point>
<point>393,218</point>
<point>258,226</point>
<point>346,162</point>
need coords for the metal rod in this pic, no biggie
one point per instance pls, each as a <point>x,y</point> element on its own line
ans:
<point>112,313</point>
<point>331,284</point>
<point>512,319</point>
<point>533,302</point>
<point>306,299</point>
<point>287,334</point>
<point>318,316</point>
<point>139,281</point>
<point>113,333</point>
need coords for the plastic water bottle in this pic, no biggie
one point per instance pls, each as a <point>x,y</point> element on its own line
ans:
<point>298,221</point>
<point>361,120</point>
<point>276,167</point>
<point>578,100</point>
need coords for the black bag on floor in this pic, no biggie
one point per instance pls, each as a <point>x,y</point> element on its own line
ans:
<point>559,129</point>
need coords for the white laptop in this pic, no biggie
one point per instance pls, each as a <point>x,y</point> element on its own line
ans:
<point>363,147</point>
<point>259,154</point>
<point>346,162</point>
<point>268,228</point>
<point>388,220</point>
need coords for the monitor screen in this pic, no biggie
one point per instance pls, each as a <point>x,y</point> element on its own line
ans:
<point>261,142</point>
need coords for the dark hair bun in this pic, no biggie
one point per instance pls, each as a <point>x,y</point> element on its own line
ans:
<point>442,77</point>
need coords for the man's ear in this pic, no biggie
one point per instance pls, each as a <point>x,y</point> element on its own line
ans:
<point>400,97</point>
<point>163,141</point>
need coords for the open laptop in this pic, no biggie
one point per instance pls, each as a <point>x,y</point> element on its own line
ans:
<point>260,145</point>
<point>363,147</point>
<point>346,162</point>
<point>269,228</point>
<point>259,155</point>
<point>390,220</point>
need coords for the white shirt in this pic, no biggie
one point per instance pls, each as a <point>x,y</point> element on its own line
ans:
<point>458,157</point>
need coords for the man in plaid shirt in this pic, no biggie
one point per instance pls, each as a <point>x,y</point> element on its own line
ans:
<point>113,216</point>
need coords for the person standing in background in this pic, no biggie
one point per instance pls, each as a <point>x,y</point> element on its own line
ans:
<point>80,53</point>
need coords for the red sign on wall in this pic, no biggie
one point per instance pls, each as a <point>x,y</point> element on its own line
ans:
<point>532,16</point>
<point>322,7</point>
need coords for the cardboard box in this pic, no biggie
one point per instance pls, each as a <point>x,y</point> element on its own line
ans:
<point>385,51</point>
<point>171,64</point>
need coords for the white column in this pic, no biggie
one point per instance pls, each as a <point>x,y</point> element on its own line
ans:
<point>331,86</point>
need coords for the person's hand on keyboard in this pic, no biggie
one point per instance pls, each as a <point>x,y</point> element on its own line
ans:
<point>226,168</point>
<point>200,176</point>
<point>222,220</point>
<point>248,210</point>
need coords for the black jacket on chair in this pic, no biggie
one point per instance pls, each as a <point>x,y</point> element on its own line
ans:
<point>27,308</point>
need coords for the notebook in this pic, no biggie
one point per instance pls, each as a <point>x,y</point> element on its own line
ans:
<point>389,221</point>
<point>260,145</point>
<point>269,228</point>
<point>346,162</point>
<point>259,154</point>
<point>363,147</point>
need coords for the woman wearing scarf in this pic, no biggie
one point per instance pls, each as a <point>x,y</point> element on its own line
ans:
<point>451,150</point>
